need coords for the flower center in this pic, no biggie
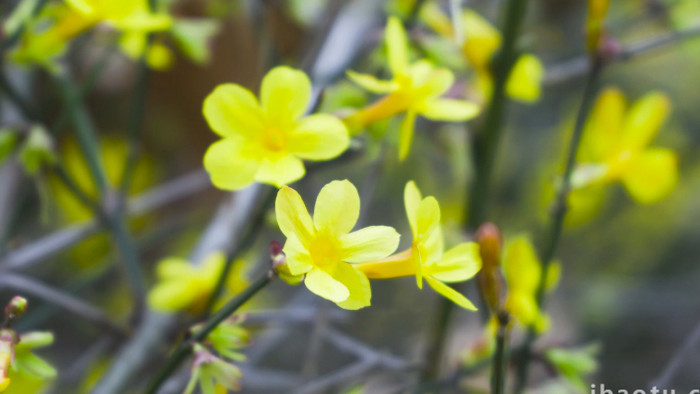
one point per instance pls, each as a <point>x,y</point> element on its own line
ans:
<point>274,139</point>
<point>325,250</point>
<point>619,163</point>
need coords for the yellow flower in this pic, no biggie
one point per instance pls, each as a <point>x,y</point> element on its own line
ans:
<point>325,249</point>
<point>266,141</point>
<point>415,88</point>
<point>615,147</point>
<point>480,44</point>
<point>425,259</point>
<point>183,286</point>
<point>48,35</point>
<point>522,270</point>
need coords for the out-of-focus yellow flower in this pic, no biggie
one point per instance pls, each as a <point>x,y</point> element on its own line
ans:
<point>266,141</point>
<point>114,153</point>
<point>415,88</point>
<point>522,270</point>
<point>615,148</point>
<point>597,9</point>
<point>46,36</point>
<point>481,41</point>
<point>425,259</point>
<point>184,286</point>
<point>325,249</point>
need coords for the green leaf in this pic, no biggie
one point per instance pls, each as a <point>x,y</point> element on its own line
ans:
<point>574,364</point>
<point>8,140</point>
<point>192,37</point>
<point>34,365</point>
<point>37,150</point>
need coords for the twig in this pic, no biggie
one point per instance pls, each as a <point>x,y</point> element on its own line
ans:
<point>15,97</point>
<point>146,344</point>
<point>84,132</point>
<point>313,350</point>
<point>676,361</point>
<point>241,243</point>
<point>119,232</point>
<point>185,348</point>
<point>59,298</point>
<point>155,198</point>
<point>326,382</point>
<point>498,370</point>
<point>136,120</point>
<point>486,143</point>
<point>484,151</point>
<point>353,346</point>
<point>368,360</point>
<point>577,67</point>
<point>559,208</point>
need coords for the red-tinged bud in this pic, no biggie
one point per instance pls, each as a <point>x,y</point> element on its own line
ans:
<point>490,243</point>
<point>490,279</point>
<point>15,308</point>
<point>276,254</point>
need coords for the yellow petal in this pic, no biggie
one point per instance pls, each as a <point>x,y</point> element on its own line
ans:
<point>371,83</point>
<point>319,137</point>
<point>358,285</point>
<point>298,259</point>
<point>232,110</point>
<point>521,266</point>
<point>603,129</point>
<point>583,204</point>
<point>644,120</point>
<point>412,198</point>
<point>229,166</point>
<point>397,45</point>
<point>651,175</point>
<point>337,208</point>
<point>451,294</point>
<point>212,265</point>
<point>450,110</point>
<point>433,247</point>
<point>173,267</point>
<point>525,79</point>
<point>523,306</point>
<point>395,266</point>
<point>458,264</point>
<point>281,170</point>
<point>285,94</point>
<point>324,285</point>
<point>82,6</point>
<point>159,57</point>
<point>368,244</point>
<point>427,218</point>
<point>292,216</point>
<point>169,296</point>
<point>406,134</point>
<point>481,39</point>
<point>431,82</point>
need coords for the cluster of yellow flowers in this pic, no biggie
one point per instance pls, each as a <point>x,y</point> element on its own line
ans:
<point>337,263</point>
<point>46,36</point>
<point>266,141</point>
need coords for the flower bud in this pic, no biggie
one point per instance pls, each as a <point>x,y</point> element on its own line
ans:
<point>490,279</point>
<point>490,241</point>
<point>15,308</point>
<point>276,254</point>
